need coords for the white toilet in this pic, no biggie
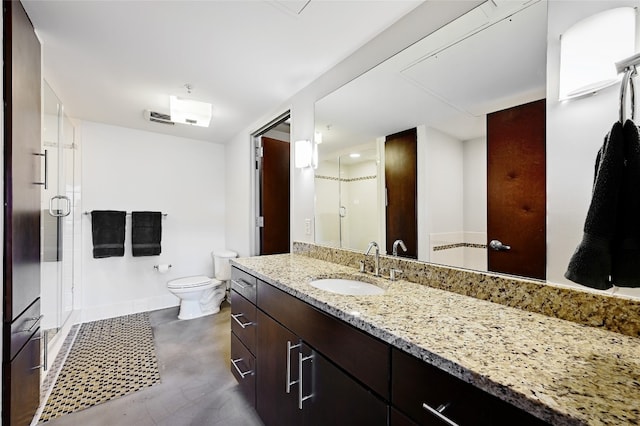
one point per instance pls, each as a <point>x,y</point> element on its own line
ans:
<point>200,295</point>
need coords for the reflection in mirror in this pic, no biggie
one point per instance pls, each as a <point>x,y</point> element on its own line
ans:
<point>490,59</point>
<point>348,184</point>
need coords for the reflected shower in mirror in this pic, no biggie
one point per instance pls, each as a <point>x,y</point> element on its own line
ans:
<point>348,184</point>
<point>489,60</point>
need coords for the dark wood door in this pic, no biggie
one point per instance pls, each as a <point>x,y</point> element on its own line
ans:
<point>274,234</point>
<point>274,404</point>
<point>22,172</point>
<point>401,177</point>
<point>335,398</point>
<point>516,189</point>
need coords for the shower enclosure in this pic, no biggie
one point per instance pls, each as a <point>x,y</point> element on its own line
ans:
<point>60,196</point>
<point>347,201</point>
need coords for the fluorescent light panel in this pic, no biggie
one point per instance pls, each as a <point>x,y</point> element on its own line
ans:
<point>186,111</point>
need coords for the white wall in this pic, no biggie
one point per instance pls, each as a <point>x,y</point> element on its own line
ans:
<point>475,185</point>
<point>327,202</point>
<point>575,132</point>
<point>125,169</point>
<point>361,200</point>
<point>239,232</point>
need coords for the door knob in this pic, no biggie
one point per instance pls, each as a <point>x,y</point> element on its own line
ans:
<point>498,246</point>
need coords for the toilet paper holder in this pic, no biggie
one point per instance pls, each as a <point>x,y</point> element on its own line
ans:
<point>158,266</point>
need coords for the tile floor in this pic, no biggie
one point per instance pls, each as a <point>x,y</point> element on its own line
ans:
<point>196,388</point>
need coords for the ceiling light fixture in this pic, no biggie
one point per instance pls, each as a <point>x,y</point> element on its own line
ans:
<point>187,111</point>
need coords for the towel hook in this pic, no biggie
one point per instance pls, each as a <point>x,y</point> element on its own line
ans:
<point>627,80</point>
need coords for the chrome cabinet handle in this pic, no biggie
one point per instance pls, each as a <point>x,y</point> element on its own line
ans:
<point>64,212</point>
<point>240,372</point>
<point>241,324</point>
<point>438,413</point>
<point>288,381</point>
<point>242,283</point>
<point>46,169</point>
<point>36,321</point>
<point>301,398</point>
<point>498,246</point>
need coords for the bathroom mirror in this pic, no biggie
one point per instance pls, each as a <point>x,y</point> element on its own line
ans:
<point>490,59</point>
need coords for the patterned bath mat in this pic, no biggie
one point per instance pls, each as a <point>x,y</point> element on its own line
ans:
<point>109,359</point>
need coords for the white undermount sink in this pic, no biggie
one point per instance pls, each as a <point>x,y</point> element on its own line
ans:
<point>347,287</point>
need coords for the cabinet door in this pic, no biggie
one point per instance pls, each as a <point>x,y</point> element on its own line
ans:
<point>274,404</point>
<point>334,398</point>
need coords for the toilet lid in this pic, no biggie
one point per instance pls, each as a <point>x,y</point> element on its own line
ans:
<point>187,282</point>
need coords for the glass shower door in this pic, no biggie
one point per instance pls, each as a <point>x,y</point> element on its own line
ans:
<point>57,217</point>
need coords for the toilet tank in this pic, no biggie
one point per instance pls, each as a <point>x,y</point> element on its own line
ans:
<point>221,265</point>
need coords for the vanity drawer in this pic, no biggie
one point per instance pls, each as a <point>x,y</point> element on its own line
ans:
<point>243,320</point>
<point>24,327</point>
<point>243,368</point>
<point>244,283</point>
<point>418,389</point>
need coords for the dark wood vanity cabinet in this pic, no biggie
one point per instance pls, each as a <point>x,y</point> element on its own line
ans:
<point>310,368</point>
<point>243,333</point>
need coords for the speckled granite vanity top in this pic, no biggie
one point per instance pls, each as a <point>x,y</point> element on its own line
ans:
<point>560,371</point>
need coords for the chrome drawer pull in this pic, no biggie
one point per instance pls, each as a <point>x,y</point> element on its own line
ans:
<point>241,324</point>
<point>301,398</point>
<point>36,321</point>
<point>242,283</point>
<point>37,367</point>
<point>288,381</point>
<point>235,365</point>
<point>438,413</point>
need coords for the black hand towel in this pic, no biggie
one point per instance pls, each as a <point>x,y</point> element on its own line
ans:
<point>146,233</point>
<point>625,268</point>
<point>590,265</point>
<point>107,231</point>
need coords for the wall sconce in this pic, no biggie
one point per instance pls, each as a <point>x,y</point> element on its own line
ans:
<point>590,49</point>
<point>306,154</point>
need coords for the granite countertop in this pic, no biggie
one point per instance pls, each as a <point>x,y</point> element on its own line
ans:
<point>560,371</point>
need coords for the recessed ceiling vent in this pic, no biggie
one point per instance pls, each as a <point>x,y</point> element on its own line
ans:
<point>158,117</point>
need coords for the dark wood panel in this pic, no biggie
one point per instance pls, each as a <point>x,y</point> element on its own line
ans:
<point>24,328</point>
<point>396,418</point>
<point>243,283</point>
<point>516,189</point>
<point>363,356</point>
<point>401,180</point>
<point>25,384</point>
<point>415,383</point>
<point>22,171</point>
<point>243,312</point>
<point>246,363</point>
<point>274,405</point>
<point>337,399</point>
<point>274,235</point>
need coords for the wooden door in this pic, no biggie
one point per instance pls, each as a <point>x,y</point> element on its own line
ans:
<point>516,190</point>
<point>274,405</point>
<point>22,172</point>
<point>401,179</point>
<point>274,209</point>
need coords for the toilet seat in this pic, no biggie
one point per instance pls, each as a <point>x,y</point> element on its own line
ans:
<point>190,282</point>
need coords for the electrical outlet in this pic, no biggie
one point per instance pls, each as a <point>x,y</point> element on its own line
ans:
<point>307,226</point>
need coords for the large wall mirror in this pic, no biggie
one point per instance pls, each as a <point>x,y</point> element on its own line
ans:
<point>443,90</point>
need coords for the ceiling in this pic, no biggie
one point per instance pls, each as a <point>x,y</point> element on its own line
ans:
<point>108,61</point>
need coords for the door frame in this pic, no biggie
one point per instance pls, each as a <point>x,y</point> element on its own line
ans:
<point>256,181</point>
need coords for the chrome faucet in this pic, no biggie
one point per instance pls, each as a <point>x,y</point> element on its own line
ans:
<point>397,243</point>
<point>376,271</point>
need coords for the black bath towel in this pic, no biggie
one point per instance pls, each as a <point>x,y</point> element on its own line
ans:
<point>146,233</point>
<point>625,268</point>
<point>107,232</point>
<point>591,263</point>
